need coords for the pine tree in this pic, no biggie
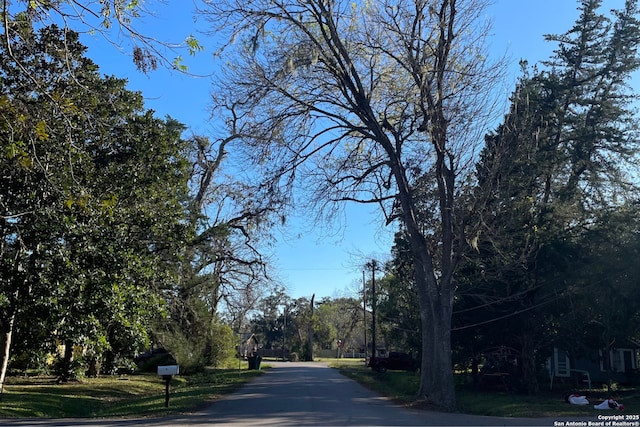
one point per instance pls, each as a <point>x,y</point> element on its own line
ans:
<point>564,153</point>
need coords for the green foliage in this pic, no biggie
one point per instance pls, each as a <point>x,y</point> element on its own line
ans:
<point>605,288</point>
<point>562,163</point>
<point>178,64</point>
<point>68,370</point>
<point>275,321</point>
<point>209,342</point>
<point>222,341</point>
<point>339,319</point>
<point>397,299</point>
<point>107,17</point>
<point>194,45</point>
<point>97,213</point>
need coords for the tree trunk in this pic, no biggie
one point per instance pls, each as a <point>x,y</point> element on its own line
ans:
<point>527,358</point>
<point>435,293</point>
<point>436,370</point>
<point>7,332</point>
<point>436,385</point>
<point>67,373</point>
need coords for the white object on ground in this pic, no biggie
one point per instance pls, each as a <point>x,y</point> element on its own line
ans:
<point>576,399</point>
<point>609,404</point>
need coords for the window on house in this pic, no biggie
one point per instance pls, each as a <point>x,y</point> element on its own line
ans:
<point>620,360</point>
<point>561,363</point>
<point>617,361</point>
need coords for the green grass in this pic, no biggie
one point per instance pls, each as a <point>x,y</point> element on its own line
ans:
<point>403,386</point>
<point>140,395</point>
<point>398,385</point>
<point>143,395</point>
<point>543,404</point>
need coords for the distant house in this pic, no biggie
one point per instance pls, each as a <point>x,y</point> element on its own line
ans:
<point>620,365</point>
<point>249,346</point>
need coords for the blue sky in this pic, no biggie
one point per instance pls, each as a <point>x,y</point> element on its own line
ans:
<point>321,260</point>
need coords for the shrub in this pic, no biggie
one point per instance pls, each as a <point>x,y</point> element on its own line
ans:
<point>221,345</point>
<point>150,360</point>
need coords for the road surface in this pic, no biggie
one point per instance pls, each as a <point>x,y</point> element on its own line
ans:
<point>299,394</point>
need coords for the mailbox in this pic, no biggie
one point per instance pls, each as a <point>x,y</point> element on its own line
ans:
<point>168,370</point>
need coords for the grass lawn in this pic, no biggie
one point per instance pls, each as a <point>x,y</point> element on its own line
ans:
<point>142,395</point>
<point>402,387</point>
<point>543,404</point>
<point>138,395</point>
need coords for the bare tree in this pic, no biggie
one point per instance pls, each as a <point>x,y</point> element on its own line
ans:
<point>224,266</point>
<point>369,102</point>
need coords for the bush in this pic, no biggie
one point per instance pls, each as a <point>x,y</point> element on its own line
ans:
<point>215,347</point>
<point>150,360</point>
<point>221,346</point>
<point>29,361</point>
<point>68,371</point>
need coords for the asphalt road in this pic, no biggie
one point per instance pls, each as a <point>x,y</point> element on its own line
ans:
<point>299,394</point>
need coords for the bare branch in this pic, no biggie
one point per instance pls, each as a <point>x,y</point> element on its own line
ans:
<point>368,102</point>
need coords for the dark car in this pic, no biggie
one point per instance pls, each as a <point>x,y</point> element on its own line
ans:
<point>396,361</point>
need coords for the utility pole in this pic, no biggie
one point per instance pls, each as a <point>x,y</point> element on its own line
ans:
<point>310,332</point>
<point>284,332</point>
<point>364,312</point>
<point>373,308</point>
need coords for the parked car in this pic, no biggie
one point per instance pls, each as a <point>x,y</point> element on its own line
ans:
<point>396,361</point>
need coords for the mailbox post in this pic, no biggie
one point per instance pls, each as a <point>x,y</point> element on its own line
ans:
<point>167,372</point>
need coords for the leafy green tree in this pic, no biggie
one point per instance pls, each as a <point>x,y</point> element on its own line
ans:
<point>397,301</point>
<point>594,121</point>
<point>205,242</point>
<point>271,320</point>
<point>601,309</point>
<point>93,200</point>
<point>295,321</point>
<point>338,319</point>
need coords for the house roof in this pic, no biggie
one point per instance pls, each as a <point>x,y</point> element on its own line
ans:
<point>250,337</point>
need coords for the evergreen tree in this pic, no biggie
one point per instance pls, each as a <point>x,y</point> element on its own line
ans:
<point>563,156</point>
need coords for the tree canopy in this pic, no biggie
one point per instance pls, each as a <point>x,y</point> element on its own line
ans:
<point>118,231</point>
<point>93,196</point>
<point>112,19</point>
<point>364,100</point>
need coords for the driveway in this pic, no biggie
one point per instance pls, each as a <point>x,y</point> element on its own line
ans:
<point>302,394</point>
